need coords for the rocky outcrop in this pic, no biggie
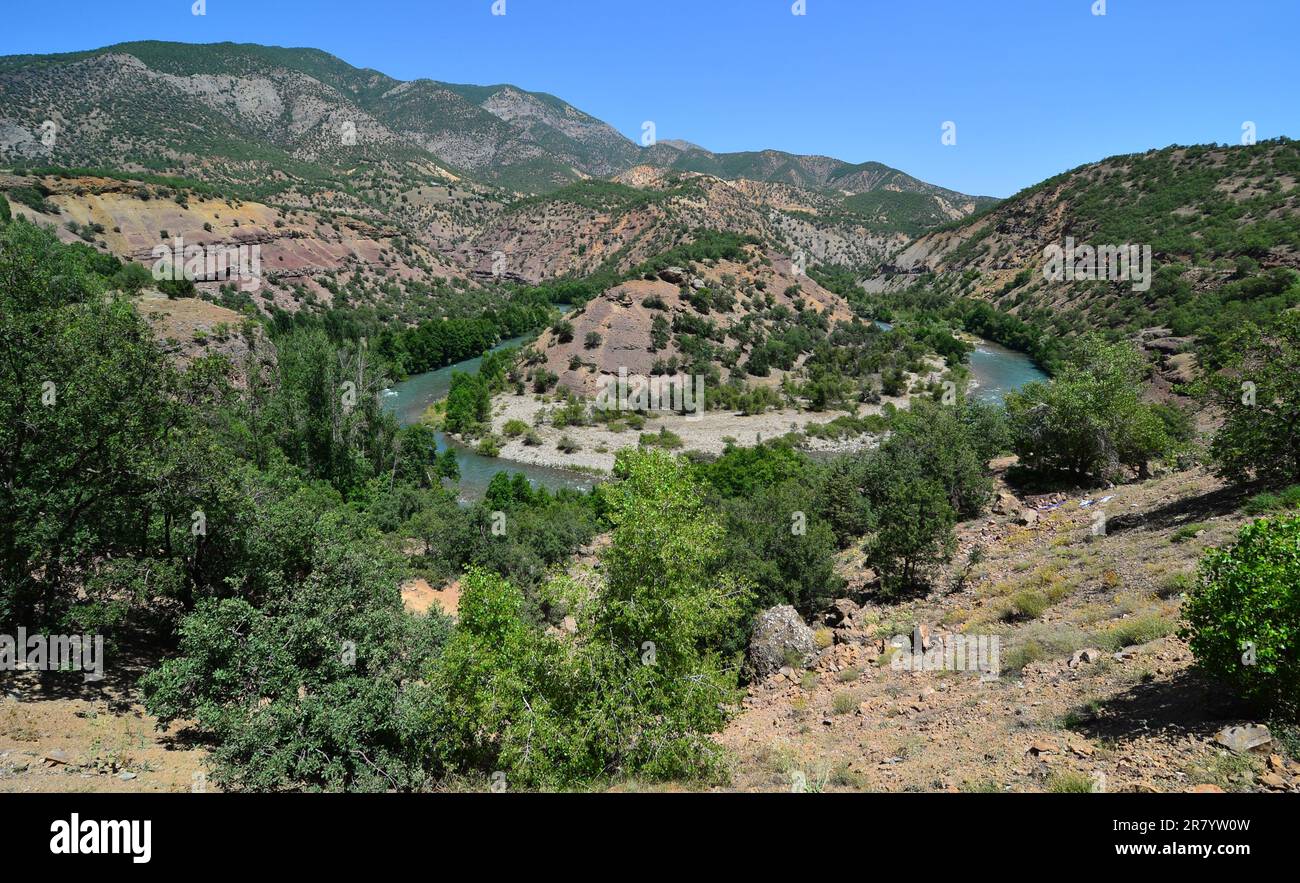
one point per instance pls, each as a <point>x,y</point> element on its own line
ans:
<point>780,638</point>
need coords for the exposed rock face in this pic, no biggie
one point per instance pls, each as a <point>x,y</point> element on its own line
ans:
<point>190,328</point>
<point>780,634</point>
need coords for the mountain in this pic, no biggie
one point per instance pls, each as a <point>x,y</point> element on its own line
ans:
<point>1219,221</point>
<point>236,112</point>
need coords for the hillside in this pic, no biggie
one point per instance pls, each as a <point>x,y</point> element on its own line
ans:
<point>1217,219</point>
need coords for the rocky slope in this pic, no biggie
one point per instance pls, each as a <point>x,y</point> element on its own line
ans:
<point>1096,692</point>
<point>744,293</point>
<point>1211,215</point>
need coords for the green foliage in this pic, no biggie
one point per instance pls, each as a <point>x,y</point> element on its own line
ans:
<point>87,408</point>
<point>913,519</point>
<point>741,472</point>
<point>1243,619</point>
<point>1252,377</point>
<point>1090,423</point>
<point>639,688</point>
<point>311,689</point>
<point>468,403</point>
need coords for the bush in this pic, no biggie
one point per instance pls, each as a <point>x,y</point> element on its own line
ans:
<point>514,428</point>
<point>1243,619</point>
<point>1090,423</point>
<point>1253,377</point>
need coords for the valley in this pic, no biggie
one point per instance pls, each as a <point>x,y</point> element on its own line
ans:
<point>355,512</point>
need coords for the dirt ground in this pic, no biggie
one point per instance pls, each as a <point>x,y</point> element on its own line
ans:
<point>1135,717</point>
<point>60,733</point>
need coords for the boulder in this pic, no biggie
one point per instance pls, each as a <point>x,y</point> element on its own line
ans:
<point>673,275</point>
<point>841,614</point>
<point>1006,503</point>
<point>1243,739</point>
<point>1027,517</point>
<point>780,638</point>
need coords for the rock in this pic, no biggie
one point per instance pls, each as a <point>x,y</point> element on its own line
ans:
<point>570,625</point>
<point>1243,739</point>
<point>1206,789</point>
<point>1027,517</point>
<point>1273,780</point>
<point>922,639</point>
<point>673,275</point>
<point>1085,657</point>
<point>1276,763</point>
<point>841,613</point>
<point>126,777</point>
<point>780,639</point>
<point>697,283</point>
<point>57,756</point>
<point>1042,747</point>
<point>1006,503</point>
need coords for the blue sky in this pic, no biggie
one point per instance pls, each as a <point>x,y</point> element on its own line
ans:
<point>1034,86</point>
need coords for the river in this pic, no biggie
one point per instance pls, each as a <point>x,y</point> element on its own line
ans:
<point>995,370</point>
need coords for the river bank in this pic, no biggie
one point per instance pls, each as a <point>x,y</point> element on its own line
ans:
<point>994,371</point>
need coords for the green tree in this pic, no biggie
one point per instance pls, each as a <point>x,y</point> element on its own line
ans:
<point>1090,422</point>
<point>1252,377</point>
<point>913,520</point>
<point>87,401</point>
<point>1243,618</point>
<point>311,690</point>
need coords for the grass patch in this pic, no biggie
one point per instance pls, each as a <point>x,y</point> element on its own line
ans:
<point>1070,783</point>
<point>1276,501</point>
<point>1136,630</point>
<point>1189,532</point>
<point>843,703</point>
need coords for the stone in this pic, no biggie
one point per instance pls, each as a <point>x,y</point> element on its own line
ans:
<point>57,756</point>
<point>1206,789</point>
<point>1243,739</point>
<point>1273,780</point>
<point>780,639</point>
<point>1006,503</point>
<point>841,613</point>
<point>673,275</point>
<point>1089,656</point>
<point>1027,517</point>
<point>126,776</point>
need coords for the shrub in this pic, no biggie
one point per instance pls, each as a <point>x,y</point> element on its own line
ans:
<point>1243,619</point>
<point>1027,604</point>
<point>1253,377</point>
<point>514,428</point>
<point>1268,503</point>
<point>1070,783</point>
<point>845,702</point>
<point>1090,422</point>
